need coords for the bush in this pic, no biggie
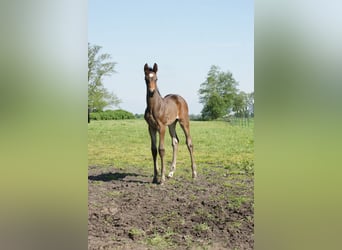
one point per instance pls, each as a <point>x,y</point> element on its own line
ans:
<point>139,116</point>
<point>195,117</point>
<point>95,116</point>
<point>111,115</point>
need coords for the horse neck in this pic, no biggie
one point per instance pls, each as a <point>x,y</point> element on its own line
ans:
<point>154,102</point>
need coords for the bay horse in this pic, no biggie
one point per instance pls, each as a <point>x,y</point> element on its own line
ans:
<point>161,112</point>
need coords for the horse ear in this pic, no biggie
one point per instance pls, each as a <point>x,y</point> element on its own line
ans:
<point>155,68</point>
<point>146,69</point>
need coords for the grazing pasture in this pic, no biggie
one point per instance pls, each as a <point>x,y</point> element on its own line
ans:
<point>127,211</point>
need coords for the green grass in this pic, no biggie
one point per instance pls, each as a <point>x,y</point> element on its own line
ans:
<point>136,233</point>
<point>160,241</point>
<point>126,143</point>
<point>201,227</point>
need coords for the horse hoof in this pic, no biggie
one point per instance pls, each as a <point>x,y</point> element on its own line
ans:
<point>155,180</point>
<point>170,175</point>
<point>194,175</point>
<point>162,180</point>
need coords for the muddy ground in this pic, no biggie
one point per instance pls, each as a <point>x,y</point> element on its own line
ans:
<point>127,211</point>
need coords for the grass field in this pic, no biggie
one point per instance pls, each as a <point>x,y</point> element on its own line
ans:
<point>127,211</point>
<point>126,143</point>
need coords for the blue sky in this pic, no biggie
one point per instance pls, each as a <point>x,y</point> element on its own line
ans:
<point>184,37</point>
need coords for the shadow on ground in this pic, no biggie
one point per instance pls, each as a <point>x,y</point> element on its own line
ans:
<point>110,176</point>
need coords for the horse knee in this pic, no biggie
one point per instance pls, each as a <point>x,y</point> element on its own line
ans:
<point>161,152</point>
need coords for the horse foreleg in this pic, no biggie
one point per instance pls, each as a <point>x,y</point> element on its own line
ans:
<point>162,152</point>
<point>153,135</point>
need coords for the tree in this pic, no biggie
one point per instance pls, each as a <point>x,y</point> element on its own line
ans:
<point>99,66</point>
<point>217,93</point>
<point>250,104</point>
<point>243,104</point>
<point>213,107</point>
<point>240,104</point>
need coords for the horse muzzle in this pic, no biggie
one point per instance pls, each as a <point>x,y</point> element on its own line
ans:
<point>151,92</point>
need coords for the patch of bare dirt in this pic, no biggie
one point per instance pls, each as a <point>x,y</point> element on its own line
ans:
<point>127,211</point>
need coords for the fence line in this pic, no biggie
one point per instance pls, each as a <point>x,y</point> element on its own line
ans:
<point>240,121</point>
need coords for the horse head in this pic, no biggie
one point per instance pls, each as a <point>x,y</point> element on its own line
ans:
<point>151,77</point>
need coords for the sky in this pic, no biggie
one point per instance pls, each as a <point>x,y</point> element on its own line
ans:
<point>185,38</point>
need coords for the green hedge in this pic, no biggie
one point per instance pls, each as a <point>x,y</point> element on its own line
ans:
<point>111,115</point>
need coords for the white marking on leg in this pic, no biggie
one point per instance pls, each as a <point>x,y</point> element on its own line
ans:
<point>174,141</point>
<point>173,164</point>
<point>194,174</point>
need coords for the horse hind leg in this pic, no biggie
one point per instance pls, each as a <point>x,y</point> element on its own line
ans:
<point>175,141</point>
<point>186,128</point>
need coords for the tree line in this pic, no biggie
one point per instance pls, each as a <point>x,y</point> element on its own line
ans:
<point>99,66</point>
<point>219,93</point>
